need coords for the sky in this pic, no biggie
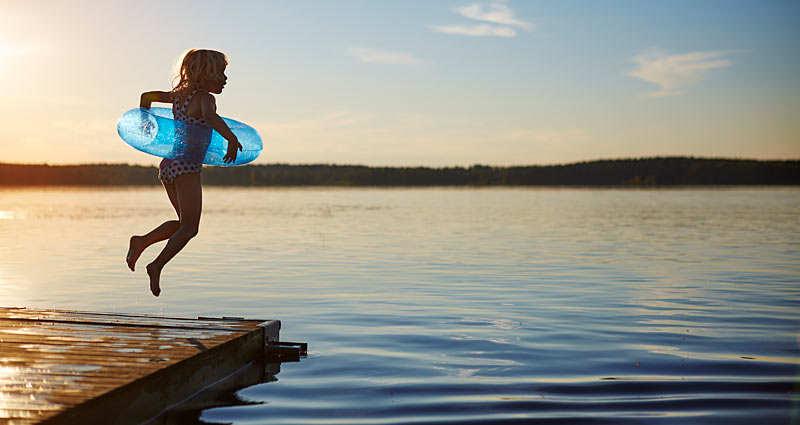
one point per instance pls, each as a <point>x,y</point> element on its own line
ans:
<point>415,82</point>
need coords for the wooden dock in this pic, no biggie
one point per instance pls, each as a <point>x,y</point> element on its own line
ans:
<point>69,367</point>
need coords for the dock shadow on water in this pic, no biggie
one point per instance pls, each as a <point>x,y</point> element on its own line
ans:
<point>225,393</point>
<point>222,394</point>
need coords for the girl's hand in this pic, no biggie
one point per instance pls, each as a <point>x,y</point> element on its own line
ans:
<point>232,151</point>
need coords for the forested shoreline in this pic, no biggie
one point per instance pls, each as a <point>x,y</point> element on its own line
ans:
<point>662,171</point>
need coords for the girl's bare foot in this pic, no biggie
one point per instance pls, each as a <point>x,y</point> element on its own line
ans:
<point>155,276</point>
<point>135,248</point>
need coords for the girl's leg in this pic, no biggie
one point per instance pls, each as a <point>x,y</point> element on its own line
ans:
<point>190,203</point>
<point>164,231</point>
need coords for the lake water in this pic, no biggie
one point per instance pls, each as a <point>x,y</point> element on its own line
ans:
<point>451,305</point>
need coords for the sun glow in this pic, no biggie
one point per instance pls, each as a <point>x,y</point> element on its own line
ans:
<point>9,50</point>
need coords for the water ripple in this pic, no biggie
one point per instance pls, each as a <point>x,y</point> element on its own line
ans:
<point>457,306</point>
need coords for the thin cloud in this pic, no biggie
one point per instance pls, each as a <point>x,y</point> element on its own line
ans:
<point>477,30</point>
<point>496,19</point>
<point>675,72</point>
<point>383,56</point>
<point>496,13</point>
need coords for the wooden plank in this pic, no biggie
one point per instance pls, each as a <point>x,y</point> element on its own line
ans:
<point>59,367</point>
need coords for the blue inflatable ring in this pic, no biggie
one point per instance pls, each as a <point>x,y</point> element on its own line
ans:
<point>154,131</point>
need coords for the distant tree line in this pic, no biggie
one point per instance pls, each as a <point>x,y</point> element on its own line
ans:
<point>667,171</point>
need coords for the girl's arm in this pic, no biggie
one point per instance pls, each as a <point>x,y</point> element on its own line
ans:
<point>209,108</point>
<point>154,96</point>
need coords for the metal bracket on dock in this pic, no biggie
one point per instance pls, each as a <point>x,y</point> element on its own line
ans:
<point>285,351</point>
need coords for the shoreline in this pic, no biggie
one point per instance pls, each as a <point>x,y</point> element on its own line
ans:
<point>650,172</point>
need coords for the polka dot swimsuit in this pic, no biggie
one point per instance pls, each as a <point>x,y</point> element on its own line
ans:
<point>171,168</point>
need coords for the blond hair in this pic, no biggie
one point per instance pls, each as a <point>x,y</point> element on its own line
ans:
<point>197,65</point>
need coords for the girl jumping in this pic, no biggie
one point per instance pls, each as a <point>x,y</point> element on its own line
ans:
<point>202,72</point>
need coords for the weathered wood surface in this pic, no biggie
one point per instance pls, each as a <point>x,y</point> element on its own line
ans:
<point>79,367</point>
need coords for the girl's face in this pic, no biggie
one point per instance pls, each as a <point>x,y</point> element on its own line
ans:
<point>214,85</point>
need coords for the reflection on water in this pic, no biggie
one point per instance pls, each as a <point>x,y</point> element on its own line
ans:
<point>457,305</point>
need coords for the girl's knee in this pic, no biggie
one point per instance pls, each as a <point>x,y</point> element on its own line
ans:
<point>190,229</point>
